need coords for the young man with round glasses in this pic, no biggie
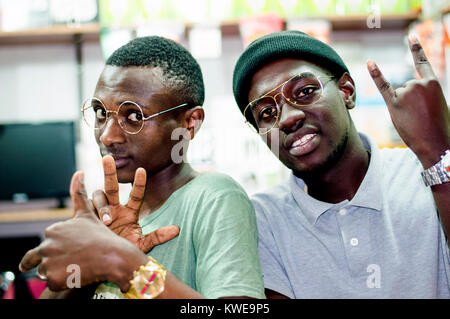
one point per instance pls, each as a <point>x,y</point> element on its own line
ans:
<point>149,88</point>
<point>352,221</point>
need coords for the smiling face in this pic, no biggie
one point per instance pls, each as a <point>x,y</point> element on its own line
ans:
<point>151,147</point>
<point>311,138</point>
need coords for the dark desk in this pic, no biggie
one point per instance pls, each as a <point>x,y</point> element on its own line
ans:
<point>31,222</point>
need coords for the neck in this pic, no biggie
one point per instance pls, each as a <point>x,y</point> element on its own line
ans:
<point>161,185</point>
<point>342,180</point>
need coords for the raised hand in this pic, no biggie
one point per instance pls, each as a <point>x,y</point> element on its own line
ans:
<point>82,242</point>
<point>418,110</point>
<point>124,219</point>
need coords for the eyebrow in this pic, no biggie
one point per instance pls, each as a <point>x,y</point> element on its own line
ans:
<point>276,88</point>
<point>144,107</point>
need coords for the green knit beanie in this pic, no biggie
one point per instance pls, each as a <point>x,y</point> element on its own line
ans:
<point>278,45</point>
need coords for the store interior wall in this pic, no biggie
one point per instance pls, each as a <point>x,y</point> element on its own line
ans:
<point>39,83</point>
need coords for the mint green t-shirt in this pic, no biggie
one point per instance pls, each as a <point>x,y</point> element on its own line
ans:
<point>216,251</point>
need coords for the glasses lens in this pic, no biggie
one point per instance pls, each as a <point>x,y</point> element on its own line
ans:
<point>94,113</point>
<point>304,89</point>
<point>131,118</point>
<point>264,112</point>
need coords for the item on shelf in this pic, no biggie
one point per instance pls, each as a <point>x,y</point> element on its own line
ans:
<point>205,41</point>
<point>314,8</point>
<point>353,7</point>
<point>220,10</point>
<point>431,36</point>
<point>433,9</point>
<point>152,9</point>
<point>390,6</point>
<point>415,5</point>
<point>23,14</point>
<point>317,28</point>
<point>446,24</point>
<point>170,29</point>
<point>289,8</point>
<point>255,27</point>
<point>193,10</point>
<point>73,12</point>
<point>39,15</point>
<point>111,39</point>
<point>118,13</point>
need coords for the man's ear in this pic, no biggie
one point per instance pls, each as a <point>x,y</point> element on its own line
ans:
<point>193,119</point>
<point>347,87</point>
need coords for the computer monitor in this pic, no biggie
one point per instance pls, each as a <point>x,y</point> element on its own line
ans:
<point>36,160</point>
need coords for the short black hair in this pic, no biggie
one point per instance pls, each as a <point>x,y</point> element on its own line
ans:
<point>182,70</point>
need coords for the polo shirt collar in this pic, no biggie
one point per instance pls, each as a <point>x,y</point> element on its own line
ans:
<point>368,195</point>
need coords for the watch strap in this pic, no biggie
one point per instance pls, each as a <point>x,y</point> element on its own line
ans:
<point>436,174</point>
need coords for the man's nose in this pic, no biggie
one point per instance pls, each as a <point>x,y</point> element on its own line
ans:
<point>112,133</point>
<point>291,117</point>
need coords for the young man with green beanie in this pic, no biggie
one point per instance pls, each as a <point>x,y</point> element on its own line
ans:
<point>352,221</point>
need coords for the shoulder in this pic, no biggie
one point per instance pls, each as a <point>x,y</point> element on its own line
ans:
<point>215,184</point>
<point>218,189</point>
<point>272,201</point>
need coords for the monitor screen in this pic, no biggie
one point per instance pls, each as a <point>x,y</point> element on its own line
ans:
<point>36,160</point>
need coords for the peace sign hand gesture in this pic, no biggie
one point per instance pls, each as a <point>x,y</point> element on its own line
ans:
<point>124,219</point>
<point>418,110</point>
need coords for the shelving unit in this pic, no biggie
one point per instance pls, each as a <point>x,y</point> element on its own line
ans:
<point>51,34</point>
<point>79,34</point>
<point>91,32</point>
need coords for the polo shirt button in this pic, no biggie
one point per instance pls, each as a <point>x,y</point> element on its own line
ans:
<point>354,241</point>
<point>342,212</point>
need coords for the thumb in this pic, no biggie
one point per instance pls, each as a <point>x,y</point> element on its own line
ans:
<point>159,236</point>
<point>81,204</point>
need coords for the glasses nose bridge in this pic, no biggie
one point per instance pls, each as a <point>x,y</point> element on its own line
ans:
<point>109,116</point>
<point>106,126</point>
<point>280,105</point>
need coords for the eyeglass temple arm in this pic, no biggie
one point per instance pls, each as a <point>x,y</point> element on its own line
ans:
<point>165,111</point>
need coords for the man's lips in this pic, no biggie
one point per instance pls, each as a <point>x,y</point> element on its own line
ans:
<point>305,145</point>
<point>302,141</point>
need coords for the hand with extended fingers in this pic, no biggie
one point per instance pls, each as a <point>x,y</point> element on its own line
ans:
<point>86,242</point>
<point>418,110</point>
<point>124,219</point>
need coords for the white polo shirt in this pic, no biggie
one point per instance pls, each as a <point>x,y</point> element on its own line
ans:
<point>387,242</point>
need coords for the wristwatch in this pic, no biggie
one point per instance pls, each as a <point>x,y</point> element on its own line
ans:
<point>439,173</point>
<point>148,281</point>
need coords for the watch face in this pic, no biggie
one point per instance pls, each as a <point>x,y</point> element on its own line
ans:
<point>149,283</point>
<point>446,163</point>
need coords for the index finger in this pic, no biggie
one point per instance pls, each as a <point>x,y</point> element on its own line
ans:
<point>382,84</point>
<point>111,183</point>
<point>421,62</point>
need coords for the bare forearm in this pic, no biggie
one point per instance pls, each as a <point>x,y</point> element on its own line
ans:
<point>441,194</point>
<point>127,259</point>
<point>176,289</point>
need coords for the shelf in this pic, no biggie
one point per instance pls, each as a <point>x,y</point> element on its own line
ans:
<point>37,215</point>
<point>91,32</point>
<point>359,22</point>
<point>51,34</point>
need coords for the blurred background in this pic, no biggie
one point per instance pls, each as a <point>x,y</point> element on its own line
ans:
<point>52,52</point>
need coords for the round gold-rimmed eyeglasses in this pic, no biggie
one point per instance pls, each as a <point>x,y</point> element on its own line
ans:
<point>302,89</point>
<point>129,115</point>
